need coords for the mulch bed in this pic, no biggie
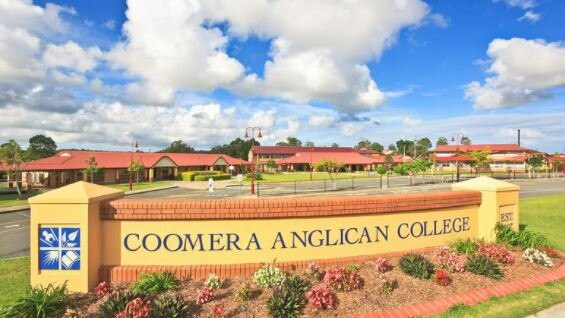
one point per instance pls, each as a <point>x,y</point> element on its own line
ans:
<point>367,299</point>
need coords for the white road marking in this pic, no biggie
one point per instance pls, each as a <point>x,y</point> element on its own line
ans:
<point>10,226</point>
<point>15,229</point>
<point>16,221</point>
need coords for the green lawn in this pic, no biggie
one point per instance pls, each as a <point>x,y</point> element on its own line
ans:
<point>141,185</point>
<point>512,306</point>
<point>545,214</point>
<point>7,200</point>
<point>14,275</point>
<point>305,176</point>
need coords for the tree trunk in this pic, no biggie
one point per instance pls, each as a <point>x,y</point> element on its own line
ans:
<point>18,186</point>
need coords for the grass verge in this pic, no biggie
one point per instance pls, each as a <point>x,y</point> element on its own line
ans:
<point>512,306</point>
<point>545,214</point>
<point>140,186</point>
<point>14,275</point>
<point>7,200</point>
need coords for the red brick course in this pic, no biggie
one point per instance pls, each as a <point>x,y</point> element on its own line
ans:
<point>163,209</point>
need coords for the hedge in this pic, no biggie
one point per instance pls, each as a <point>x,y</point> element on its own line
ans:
<point>221,176</point>
<point>190,175</point>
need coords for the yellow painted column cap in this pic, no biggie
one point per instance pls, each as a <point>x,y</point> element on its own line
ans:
<point>484,183</point>
<point>78,192</point>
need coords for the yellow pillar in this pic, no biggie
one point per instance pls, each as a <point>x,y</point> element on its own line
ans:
<point>151,172</point>
<point>500,203</point>
<point>65,235</point>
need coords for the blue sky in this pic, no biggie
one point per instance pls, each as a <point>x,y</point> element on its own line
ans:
<point>96,74</point>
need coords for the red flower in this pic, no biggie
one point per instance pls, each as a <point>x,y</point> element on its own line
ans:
<point>219,310</point>
<point>442,277</point>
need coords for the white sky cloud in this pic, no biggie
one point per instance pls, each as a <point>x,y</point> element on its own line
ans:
<point>523,71</point>
<point>530,16</point>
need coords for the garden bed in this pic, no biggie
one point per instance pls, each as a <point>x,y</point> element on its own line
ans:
<point>368,298</point>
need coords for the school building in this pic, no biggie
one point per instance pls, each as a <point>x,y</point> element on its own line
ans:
<point>69,166</point>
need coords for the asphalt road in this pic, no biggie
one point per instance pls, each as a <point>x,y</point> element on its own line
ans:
<point>14,227</point>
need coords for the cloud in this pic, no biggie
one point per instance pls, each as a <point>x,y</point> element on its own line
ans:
<point>524,71</point>
<point>530,16</point>
<point>321,120</point>
<point>71,55</point>
<point>524,133</point>
<point>350,129</point>
<point>438,20</point>
<point>410,122</point>
<point>319,48</point>
<point>523,4</point>
<point>110,24</point>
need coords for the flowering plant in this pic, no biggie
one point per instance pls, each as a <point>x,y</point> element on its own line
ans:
<point>103,289</point>
<point>213,282</point>
<point>218,310</point>
<point>550,252</point>
<point>137,308</point>
<point>442,277</point>
<point>382,265</point>
<point>342,279</point>
<point>449,259</point>
<point>537,257</point>
<point>497,253</point>
<point>314,272</point>
<point>269,276</point>
<point>321,297</point>
<point>204,295</point>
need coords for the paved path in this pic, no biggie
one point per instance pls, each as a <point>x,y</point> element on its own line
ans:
<point>557,311</point>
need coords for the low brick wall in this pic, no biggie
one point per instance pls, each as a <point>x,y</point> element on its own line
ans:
<point>159,209</point>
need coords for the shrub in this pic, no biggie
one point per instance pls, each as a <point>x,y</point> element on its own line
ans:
<point>465,246</point>
<point>268,276</point>
<point>204,295</point>
<point>442,277</point>
<point>137,308</point>
<point>402,169</point>
<point>387,286</point>
<point>258,176</point>
<point>244,292</point>
<point>352,268</point>
<point>314,272</point>
<point>550,252</point>
<point>222,176</point>
<point>218,310</point>
<point>343,279</point>
<point>191,175</point>
<point>154,283</point>
<point>416,265</point>
<point>214,282</point>
<point>288,299</point>
<point>381,170</point>
<point>382,265</point>
<point>116,302</point>
<point>38,302</point>
<point>522,238</point>
<point>449,260</point>
<point>483,265</point>
<point>321,297</point>
<point>536,256</point>
<point>103,289</point>
<point>170,307</point>
<point>497,253</point>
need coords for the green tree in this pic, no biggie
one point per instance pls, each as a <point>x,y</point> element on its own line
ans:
<point>40,146</point>
<point>178,146</point>
<point>533,163</point>
<point>465,140</point>
<point>389,161</point>
<point>405,146</point>
<point>136,167</point>
<point>334,145</point>
<point>309,144</point>
<point>442,141</point>
<point>381,170</point>
<point>290,141</point>
<point>363,144</point>
<point>392,147</point>
<point>328,165</point>
<point>272,165</point>
<point>11,154</point>
<point>237,148</point>
<point>419,165</point>
<point>91,168</point>
<point>481,159</point>
<point>377,146</point>
<point>423,145</point>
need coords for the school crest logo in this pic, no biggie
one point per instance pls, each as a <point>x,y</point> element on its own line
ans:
<point>59,248</point>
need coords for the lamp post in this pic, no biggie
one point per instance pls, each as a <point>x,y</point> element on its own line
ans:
<point>133,144</point>
<point>457,137</point>
<point>250,133</point>
<point>311,166</point>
